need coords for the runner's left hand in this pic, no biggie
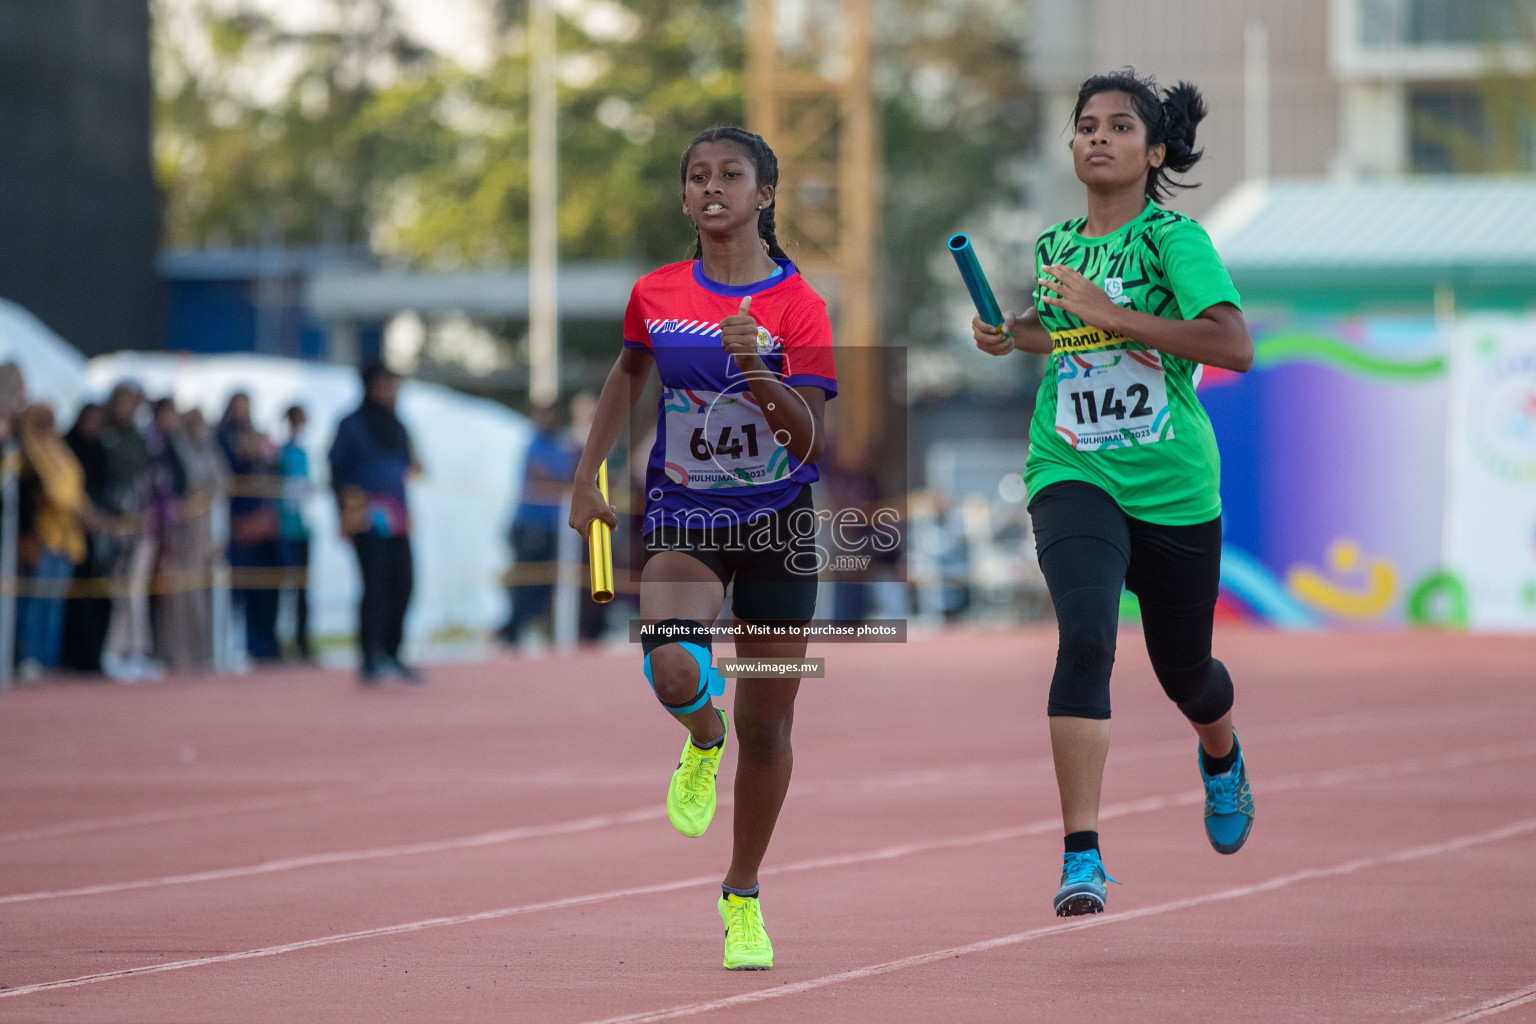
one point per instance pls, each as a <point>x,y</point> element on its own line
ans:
<point>1077,295</point>
<point>738,336</point>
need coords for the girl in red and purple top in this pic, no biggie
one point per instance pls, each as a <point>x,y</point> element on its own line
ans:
<point>743,348</point>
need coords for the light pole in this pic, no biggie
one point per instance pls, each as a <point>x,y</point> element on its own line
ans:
<point>543,200</point>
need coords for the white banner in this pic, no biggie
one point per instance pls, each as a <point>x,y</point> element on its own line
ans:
<point>1490,522</point>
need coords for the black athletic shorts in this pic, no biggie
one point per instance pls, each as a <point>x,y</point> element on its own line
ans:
<point>772,560</point>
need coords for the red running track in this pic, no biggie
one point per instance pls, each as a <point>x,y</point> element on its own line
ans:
<point>493,847</point>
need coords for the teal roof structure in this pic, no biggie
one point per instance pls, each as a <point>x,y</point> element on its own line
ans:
<point>1389,240</point>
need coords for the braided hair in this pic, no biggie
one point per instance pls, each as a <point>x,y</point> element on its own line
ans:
<point>1170,119</point>
<point>767,166</point>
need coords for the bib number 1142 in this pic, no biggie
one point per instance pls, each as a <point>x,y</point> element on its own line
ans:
<point>1115,398</point>
<point>1083,404</point>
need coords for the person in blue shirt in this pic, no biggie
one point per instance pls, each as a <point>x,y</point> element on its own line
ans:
<point>293,463</point>
<point>547,470</point>
<point>370,460</point>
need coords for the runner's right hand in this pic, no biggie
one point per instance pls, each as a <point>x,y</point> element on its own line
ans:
<point>587,504</point>
<point>997,341</point>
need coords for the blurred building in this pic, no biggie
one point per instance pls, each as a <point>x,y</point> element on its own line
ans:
<point>1304,88</point>
<point>253,300</point>
<point>79,213</point>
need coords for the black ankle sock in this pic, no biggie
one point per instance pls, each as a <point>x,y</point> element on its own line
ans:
<point>1218,765</point>
<point>746,894</point>
<point>711,746</point>
<point>1082,842</point>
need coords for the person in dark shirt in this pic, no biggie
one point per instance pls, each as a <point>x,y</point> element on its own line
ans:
<point>127,500</point>
<point>88,614</point>
<point>370,460</point>
<point>254,527</point>
<point>547,469</point>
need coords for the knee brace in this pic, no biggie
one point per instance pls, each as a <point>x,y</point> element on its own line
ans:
<point>1085,655</point>
<point>1203,693</point>
<point>695,639</point>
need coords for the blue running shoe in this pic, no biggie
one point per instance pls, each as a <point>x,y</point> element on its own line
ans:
<point>1228,804</point>
<point>1082,884</point>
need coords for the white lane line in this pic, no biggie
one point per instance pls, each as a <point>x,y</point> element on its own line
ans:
<point>1496,1005</point>
<point>332,940</point>
<point>1345,723</point>
<point>1517,828</point>
<point>885,853</point>
<point>1332,777</point>
<point>219,810</point>
<point>552,778</point>
<point>268,867</point>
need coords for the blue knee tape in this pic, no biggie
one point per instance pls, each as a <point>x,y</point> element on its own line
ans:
<point>711,683</point>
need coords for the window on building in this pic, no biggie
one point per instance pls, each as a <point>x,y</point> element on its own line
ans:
<point>1388,24</point>
<point>1471,129</point>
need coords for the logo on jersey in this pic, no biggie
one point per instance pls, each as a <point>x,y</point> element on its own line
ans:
<point>766,342</point>
<point>1114,287</point>
<point>703,328</point>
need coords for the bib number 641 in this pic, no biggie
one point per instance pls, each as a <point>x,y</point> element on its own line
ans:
<point>745,444</point>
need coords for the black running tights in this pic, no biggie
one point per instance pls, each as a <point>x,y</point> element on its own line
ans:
<point>1088,549</point>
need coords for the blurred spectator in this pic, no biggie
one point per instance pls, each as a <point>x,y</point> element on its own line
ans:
<point>852,484</point>
<point>13,396</point>
<point>88,613</point>
<point>547,468</point>
<point>182,604</point>
<point>206,484</point>
<point>293,463</point>
<point>254,526</point>
<point>370,460</point>
<point>51,537</point>
<point>126,499</point>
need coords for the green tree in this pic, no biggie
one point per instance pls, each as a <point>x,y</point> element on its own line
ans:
<point>960,121</point>
<point>375,139</point>
<point>257,125</point>
<point>359,134</point>
<point>634,90</point>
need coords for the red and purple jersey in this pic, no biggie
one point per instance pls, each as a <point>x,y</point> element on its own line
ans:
<point>715,454</point>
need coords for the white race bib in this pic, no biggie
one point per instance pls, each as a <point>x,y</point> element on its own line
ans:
<point>1112,398</point>
<point>719,440</point>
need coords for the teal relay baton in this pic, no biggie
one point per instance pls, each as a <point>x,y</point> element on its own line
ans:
<point>975,280</point>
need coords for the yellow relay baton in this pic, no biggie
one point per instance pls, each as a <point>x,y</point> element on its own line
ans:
<point>600,547</point>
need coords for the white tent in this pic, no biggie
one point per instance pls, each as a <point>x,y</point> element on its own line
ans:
<point>54,372</point>
<point>471,451</point>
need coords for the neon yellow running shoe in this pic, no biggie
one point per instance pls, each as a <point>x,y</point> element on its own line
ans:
<point>691,796</point>
<point>747,947</point>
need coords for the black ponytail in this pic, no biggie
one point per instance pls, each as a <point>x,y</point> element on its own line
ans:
<point>767,167</point>
<point>1171,120</point>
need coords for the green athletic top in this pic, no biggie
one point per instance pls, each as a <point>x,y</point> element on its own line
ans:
<point>1111,411</point>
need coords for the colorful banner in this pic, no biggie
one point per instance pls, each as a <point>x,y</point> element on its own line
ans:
<point>1333,453</point>
<point>1490,509</point>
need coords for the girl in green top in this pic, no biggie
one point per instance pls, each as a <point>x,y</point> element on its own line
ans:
<point>1123,470</point>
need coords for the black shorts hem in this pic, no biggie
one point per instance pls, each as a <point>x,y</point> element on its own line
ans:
<point>766,588</point>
